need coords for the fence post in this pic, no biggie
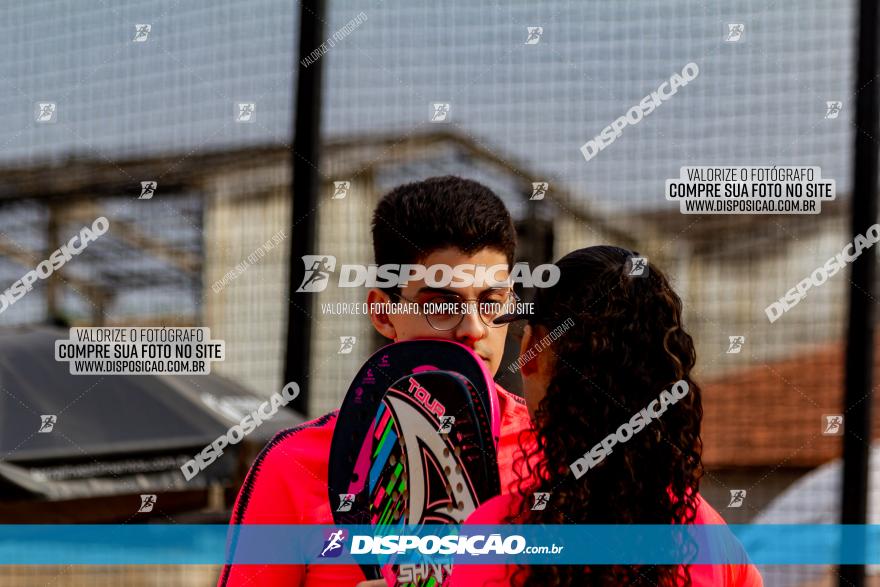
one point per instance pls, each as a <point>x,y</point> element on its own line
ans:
<point>860,332</point>
<point>305,185</point>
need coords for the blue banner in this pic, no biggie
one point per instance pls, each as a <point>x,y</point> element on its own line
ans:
<point>794,544</point>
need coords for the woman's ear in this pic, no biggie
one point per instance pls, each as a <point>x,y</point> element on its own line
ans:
<point>377,298</point>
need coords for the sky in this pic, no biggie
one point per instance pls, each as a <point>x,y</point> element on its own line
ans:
<point>758,101</point>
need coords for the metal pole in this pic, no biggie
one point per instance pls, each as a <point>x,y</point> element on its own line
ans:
<point>860,339</point>
<point>304,196</point>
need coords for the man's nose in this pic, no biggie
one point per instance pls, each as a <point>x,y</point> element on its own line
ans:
<point>471,327</point>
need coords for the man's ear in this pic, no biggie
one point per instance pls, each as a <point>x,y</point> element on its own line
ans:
<point>380,320</point>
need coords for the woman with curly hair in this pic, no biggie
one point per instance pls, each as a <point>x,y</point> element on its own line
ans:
<point>616,341</point>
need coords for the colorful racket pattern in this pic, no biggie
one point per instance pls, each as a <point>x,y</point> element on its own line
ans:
<point>456,468</point>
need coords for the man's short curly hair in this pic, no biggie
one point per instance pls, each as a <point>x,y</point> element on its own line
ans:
<point>415,219</point>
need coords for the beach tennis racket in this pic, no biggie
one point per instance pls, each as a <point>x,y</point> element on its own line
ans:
<point>421,450</point>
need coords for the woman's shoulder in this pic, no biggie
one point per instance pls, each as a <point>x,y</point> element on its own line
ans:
<point>507,506</point>
<point>706,514</point>
<point>743,574</point>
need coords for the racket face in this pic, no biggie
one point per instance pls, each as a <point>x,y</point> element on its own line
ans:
<point>424,466</point>
<point>356,423</point>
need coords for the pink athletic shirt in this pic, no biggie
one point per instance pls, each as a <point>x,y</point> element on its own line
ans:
<point>497,509</point>
<point>287,484</point>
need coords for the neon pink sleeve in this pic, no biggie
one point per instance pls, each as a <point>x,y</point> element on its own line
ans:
<point>287,484</point>
<point>265,498</point>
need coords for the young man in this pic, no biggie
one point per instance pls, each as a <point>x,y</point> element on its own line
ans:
<point>442,220</point>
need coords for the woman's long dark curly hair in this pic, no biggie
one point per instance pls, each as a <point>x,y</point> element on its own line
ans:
<point>626,345</point>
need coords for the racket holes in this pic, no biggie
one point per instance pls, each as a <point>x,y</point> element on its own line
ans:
<point>459,488</point>
<point>457,469</point>
<point>457,451</point>
<point>392,460</point>
<point>445,452</point>
<point>460,505</point>
<point>448,470</point>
